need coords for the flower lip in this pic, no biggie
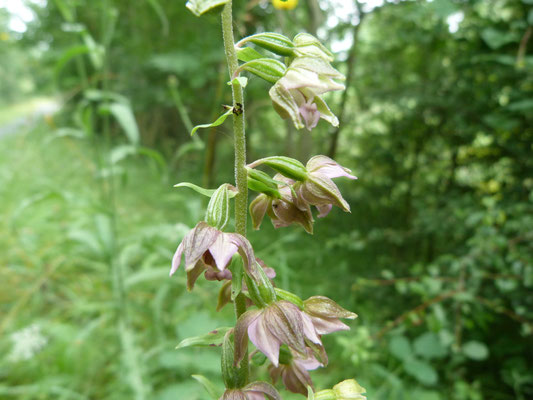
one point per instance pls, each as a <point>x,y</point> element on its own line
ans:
<point>206,246</point>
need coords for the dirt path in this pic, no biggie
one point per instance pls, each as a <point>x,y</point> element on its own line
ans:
<point>25,115</point>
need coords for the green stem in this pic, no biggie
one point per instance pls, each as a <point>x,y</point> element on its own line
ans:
<point>241,200</point>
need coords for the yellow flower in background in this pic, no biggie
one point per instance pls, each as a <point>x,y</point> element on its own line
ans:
<point>4,36</point>
<point>285,4</point>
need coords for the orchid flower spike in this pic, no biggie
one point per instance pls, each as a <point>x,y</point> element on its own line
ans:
<point>280,322</point>
<point>207,248</point>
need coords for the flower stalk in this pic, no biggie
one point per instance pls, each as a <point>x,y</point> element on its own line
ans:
<point>241,200</point>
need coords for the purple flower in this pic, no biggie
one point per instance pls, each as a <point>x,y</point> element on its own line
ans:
<point>279,323</point>
<point>253,391</point>
<point>325,314</point>
<point>293,372</point>
<point>207,248</point>
<point>318,189</point>
<point>283,212</point>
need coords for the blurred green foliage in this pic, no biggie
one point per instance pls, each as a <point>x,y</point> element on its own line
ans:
<point>436,257</point>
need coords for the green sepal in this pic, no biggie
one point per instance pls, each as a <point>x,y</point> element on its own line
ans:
<point>271,41</point>
<point>286,166</point>
<point>261,292</point>
<point>260,181</point>
<point>200,7</point>
<point>266,68</point>
<point>209,387</point>
<point>253,292</point>
<point>285,295</point>
<point>213,338</point>
<point>218,210</point>
<point>246,54</point>
<point>220,120</point>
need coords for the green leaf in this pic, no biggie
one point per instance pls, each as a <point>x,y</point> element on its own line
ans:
<point>266,68</point>
<point>236,283</point>
<point>196,188</point>
<point>400,347</point>
<point>248,54</point>
<point>421,371</point>
<point>68,55</point>
<point>475,350</point>
<point>274,42</point>
<point>213,338</point>
<point>218,122</point>
<point>124,116</point>
<point>209,387</point>
<point>200,7</point>
<point>160,14</point>
<point>429,346</point>
<point>496,38</point>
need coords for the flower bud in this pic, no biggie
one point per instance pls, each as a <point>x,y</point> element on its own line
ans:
<point>349,390</point>
<point>262,182</point>
<point>217,214</point>
<point>274,42</point>
<point>266,68</point>
<point>286,166</point>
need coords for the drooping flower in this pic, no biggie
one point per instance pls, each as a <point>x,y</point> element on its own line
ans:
<point>292,370</point>
<point>296,95</point>
<point>280,322</point>
<point>325,314</point>
<point>253,391</point>
<point>283,211</point>
<point>207,248</point>
<point>318,189</point>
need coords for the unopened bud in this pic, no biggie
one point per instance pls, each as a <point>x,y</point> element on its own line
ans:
<point>274,42</point>
<point>217,214</point>
<point>286,166</point>
<point>266,68</point>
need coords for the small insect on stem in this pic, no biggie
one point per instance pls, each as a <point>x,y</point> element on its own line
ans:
<point>237,110</point>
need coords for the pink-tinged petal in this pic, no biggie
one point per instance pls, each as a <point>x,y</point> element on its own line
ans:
<point>176,260</point>
<point>262,388</point>
<point>222,250</point>
<point>269,272</point>
<point>324,326</point>
<point>309,329</point>
<point>255,396</point>
<point>197,242</point>
<point>284,321</point>
<point>241,333</point>
<point>258,209</point>
<point>263,339</point>
<point>324,210</point>
<point>246,251</point>
<point>328,167</point>
<point>310,363</point>
<point>320,190</point>
<point>310,115</point>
